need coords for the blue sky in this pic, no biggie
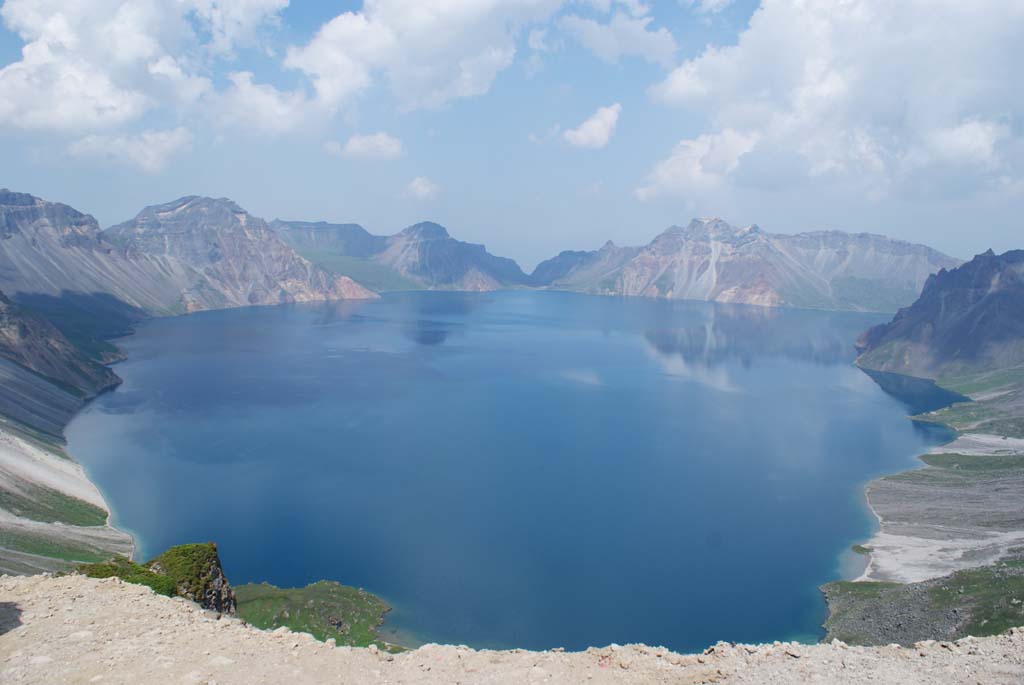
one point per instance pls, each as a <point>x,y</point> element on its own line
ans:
<point>532,126</point>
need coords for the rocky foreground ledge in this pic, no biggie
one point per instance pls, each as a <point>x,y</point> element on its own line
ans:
<point>74,629</point>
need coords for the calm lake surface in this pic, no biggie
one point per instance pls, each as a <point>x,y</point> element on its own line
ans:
<point>521,469</point>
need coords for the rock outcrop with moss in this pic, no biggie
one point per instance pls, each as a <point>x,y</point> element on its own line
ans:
<point>190,571</point>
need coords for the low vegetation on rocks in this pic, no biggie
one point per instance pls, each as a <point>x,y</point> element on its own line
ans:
<point>978,602</point>
<point>190,571</point>
<point>325,610</point>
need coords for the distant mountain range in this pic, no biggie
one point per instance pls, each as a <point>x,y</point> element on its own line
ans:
<point>421,256</point>
<point>713,261</point>
<point>202,253</point>
<point>194,253</point>
<point>967,320</point>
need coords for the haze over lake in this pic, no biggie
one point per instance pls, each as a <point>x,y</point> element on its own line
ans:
<point>516,469</point>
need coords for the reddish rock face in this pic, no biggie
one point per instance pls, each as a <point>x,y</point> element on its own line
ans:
<point>712,261</point>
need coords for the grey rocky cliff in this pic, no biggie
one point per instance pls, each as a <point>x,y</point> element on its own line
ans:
<point>967,319</point>
<point>193,253</point>
<point>222,256</point>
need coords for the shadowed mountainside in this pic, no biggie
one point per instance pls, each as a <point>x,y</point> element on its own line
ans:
<point>967,319</point>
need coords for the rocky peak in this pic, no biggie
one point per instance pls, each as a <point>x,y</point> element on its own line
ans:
<point>426,230</point>
<point>967,317</point>
<point>707,229</point>
<point>191,213</point>
<point>21,213</point>
<point>980,276</point>
<point>13,199</point>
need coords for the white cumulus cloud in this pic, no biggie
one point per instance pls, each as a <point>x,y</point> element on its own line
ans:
<point>699,165</point>
<point>149,151</point>
<point>372,146</point>
<point>422,188</point>
<point>597,130</point>
<point>622,36</point>
<point>94,64</point>
<point>428,53</point>
<point>260,107</point>
<point>709,6</point>
<point>233,22</point>
<point>872,95</point>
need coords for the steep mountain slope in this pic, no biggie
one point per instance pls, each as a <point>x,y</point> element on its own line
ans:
<point>577,270</point>
<point>34,343</point>
<point>713,261</point>
<point>967,319</point>
<point>421,256</point>
<point>218,255</point>
<point>194,253</point>
<point>350,239</point>
<point>425,252</point>
<point>49,248</point>
<point>50,514</point>
<point>346,249</point>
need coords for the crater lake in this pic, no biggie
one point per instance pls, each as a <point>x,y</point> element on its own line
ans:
<point>512,469</point>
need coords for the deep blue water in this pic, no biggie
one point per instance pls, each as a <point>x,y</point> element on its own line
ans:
<point>510,469</point>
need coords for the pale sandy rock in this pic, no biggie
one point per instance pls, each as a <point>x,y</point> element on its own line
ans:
<point>79,630</point>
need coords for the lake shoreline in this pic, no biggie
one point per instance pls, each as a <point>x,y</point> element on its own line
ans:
<point>836,343</point>
<point>956,513</point>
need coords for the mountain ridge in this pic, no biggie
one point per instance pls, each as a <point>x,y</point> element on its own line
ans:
<point>219,255</point>
<point>967,319</point>
<point>711,260</point>
<point>421,256</point>
<point>198,253</point>
<point>192,253</point>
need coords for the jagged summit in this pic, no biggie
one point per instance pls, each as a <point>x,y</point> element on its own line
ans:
<point>967,318</point>
<point>710,259</point>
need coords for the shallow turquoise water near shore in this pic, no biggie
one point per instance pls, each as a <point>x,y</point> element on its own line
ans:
<point>520,469</point>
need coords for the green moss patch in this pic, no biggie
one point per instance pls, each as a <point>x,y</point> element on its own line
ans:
<point>130,572</point>
<point>190,567</point>
<point>324,609</point>
<point>992,597</point>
